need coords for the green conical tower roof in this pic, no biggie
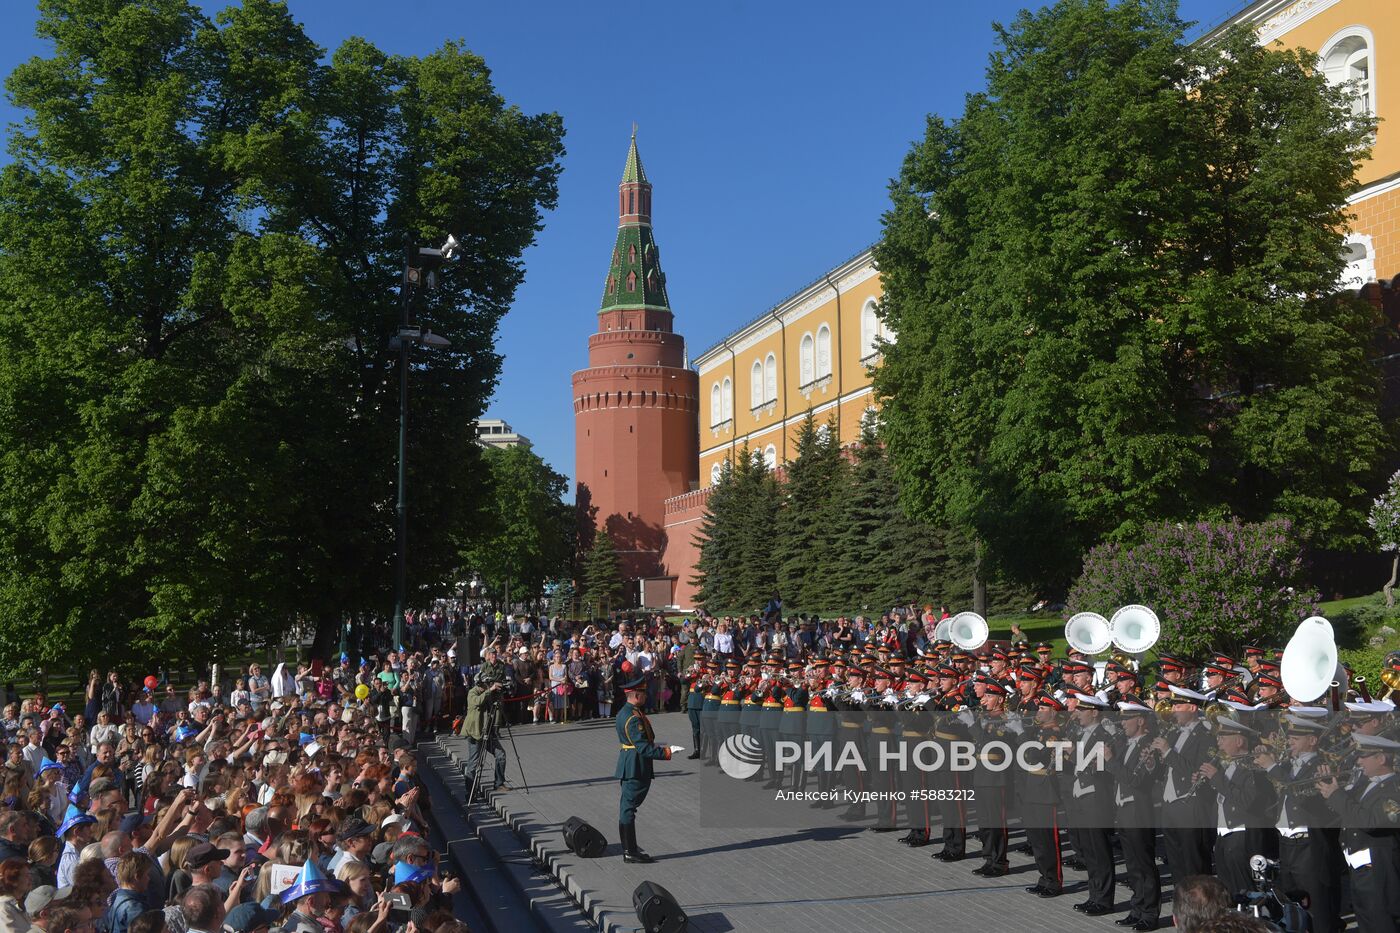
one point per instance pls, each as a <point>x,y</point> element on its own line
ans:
<point>635,279</point>
<point>633,171</point>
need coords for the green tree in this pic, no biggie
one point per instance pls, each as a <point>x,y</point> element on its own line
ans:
<point>602,575</point>
<point>525,535</point>
<point>813,490</point>
<point>1384,520</point>
<point>201,241</point>
<point>736,571</point>
<point>1114,285</point>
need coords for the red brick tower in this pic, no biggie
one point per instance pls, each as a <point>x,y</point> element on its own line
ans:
<point>636,405</point>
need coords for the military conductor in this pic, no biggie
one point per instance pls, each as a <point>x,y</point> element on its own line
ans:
<point>634,758</point>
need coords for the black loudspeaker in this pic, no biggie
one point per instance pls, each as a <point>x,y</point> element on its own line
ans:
<point>582,839</point>
<point>657,910</point>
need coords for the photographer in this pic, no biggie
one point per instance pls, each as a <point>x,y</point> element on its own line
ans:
<point>484,720</point>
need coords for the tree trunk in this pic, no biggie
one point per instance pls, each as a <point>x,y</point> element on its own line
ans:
<point>327,638</point>
<point>979,583</point>
<point>1389,588</point>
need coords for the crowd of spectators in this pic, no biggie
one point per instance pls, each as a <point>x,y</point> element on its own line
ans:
<point>285,799</point>
<point>564,670</point>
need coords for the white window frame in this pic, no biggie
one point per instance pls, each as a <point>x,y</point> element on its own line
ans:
<point>770,378</point>
<point>869,330</point>
<point>807,355</point>
<point>756,385</point>
<point>770,457</point>
<point>716,405</point>
<point>1336,67</point>
<point>823,351</point>
<point>727,398</point>
<point>716,471</point>
<point>1357,273</point>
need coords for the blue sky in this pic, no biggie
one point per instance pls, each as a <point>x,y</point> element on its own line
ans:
<point>769,129</point>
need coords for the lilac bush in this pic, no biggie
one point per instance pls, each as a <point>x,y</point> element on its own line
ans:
<point>1214,584</point>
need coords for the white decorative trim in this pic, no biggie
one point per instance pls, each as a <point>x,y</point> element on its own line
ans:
<point>846,277</point>
<point>1375,188</point>
<point>1271,18</point>
<point>1292,17</point>
<point>789,422</point>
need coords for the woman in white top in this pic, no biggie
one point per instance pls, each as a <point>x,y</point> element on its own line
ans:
<point>104,731</point>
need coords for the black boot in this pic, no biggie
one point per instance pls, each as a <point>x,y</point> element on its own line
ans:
<point>696,753</point>
<point>630,853</point>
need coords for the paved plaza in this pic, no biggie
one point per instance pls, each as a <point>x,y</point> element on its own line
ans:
<point>827,879</point>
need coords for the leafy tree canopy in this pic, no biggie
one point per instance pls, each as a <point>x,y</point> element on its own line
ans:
<point>201,244</point>
<point>1114,284</point>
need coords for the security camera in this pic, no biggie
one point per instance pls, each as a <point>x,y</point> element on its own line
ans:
<point>451,249</point>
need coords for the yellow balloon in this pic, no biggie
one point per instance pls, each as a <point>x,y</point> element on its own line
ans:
<point>361,692</point>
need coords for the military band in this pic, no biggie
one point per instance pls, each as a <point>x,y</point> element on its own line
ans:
<point>1188,755</point>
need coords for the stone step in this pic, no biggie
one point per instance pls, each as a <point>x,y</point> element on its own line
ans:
<point>513,892</point>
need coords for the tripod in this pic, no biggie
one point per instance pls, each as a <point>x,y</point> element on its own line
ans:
<point>491,725</point>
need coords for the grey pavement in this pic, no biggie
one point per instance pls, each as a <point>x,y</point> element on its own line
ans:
<point>820,879</point>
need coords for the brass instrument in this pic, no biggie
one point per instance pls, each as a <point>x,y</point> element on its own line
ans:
<point>1163,709</point>
<point>1359,681</point>
<point>1390,677</point>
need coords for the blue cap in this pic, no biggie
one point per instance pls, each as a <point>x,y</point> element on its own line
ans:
<point>404,873</point>
<point>74,817</point>
<point>50,766</point>
<point>305,738</point>
<point>311,881</point>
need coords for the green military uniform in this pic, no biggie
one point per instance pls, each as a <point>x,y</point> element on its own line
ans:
<point>638,749</point>
<point>694,705</point>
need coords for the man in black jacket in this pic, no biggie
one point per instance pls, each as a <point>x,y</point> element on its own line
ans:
<point>1135,765</point>
<point>1370,815</point>
<point>1188,828</point>
<point>17,830</point>
<point>1310,852</point>
<point>1089,804</point>
<point>1244,802</point>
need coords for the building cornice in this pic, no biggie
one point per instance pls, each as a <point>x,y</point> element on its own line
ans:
<point>1379,186</point>
<point>847,275</point>
<point>1271,18</point>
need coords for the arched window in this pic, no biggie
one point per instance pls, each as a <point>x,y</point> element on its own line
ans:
<point>1360,261</point>
<point>823,432</point>
<point>756,385</point>
<point>631,201</point>
<point>770,457</point>
<point>823,352</point>
<point>716,405</point>
<point>727,399</point>
<point>808,354</point>
<point>770,378</point>
<point>869,329</point>
<point>631,281</point>
<point>716,472</point>
<point>1347,59</point>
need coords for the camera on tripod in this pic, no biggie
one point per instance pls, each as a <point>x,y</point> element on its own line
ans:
<point>1269,904</point>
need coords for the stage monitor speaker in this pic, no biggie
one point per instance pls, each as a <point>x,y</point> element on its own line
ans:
<point>657,910</point>
<point>582,839</point>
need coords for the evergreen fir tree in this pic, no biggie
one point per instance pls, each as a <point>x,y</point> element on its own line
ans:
<point>714,570</point>
<point>759,503</point>
<point>602,575</point>
<point>808,524</point>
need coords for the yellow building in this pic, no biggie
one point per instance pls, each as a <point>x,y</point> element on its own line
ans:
<point>813,351</point>
<point>1358,44</point>
<point>816,350</point>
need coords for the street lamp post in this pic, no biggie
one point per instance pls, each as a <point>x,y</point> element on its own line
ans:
<point>419,272</point>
